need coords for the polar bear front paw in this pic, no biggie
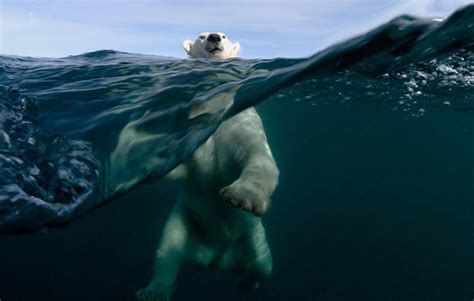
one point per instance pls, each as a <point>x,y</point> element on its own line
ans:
<point>246,197</point>
<point>149,294</point>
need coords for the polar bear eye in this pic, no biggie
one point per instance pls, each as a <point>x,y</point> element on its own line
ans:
<point>202,37</point>
<point>223,37</point>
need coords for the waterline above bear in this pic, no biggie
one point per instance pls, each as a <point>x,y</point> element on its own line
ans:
<point>226,186</point>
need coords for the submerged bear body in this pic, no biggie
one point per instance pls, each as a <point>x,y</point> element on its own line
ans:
<point>226,186</point>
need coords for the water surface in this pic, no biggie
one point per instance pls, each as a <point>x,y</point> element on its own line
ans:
<point>373,138</point>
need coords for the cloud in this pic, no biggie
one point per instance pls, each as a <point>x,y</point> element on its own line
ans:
<point>31,35</point>
<point>265,28</point>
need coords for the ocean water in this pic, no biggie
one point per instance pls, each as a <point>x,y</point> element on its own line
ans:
<point>374,139</point>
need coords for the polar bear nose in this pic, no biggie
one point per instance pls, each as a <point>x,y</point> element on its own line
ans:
<point>214,38</point>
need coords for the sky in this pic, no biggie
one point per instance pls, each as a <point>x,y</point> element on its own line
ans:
<point>264,28</point>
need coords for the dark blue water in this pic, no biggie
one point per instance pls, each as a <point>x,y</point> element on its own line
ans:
<point>373,137</point>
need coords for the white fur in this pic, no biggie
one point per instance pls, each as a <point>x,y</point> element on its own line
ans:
<point>233,169</point>
<point>197,49</point>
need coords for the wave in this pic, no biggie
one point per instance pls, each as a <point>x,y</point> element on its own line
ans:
<point>76,132</point>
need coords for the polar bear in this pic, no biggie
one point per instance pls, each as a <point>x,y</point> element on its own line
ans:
<point>211,45</point>
<point>226,187</point>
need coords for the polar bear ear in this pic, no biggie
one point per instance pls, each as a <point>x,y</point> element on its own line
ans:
<point>188,44</point>
<point>235,49</point>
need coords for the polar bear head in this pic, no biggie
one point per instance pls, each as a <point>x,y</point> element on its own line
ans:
<point>211,45</point>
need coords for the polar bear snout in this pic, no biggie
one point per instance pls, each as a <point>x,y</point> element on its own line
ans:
<point>214,38</point>
<point>213,43</point>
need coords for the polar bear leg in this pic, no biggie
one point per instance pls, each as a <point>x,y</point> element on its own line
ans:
<point>168,259</point>
<point>243,139</point>
<point>256,260</point>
